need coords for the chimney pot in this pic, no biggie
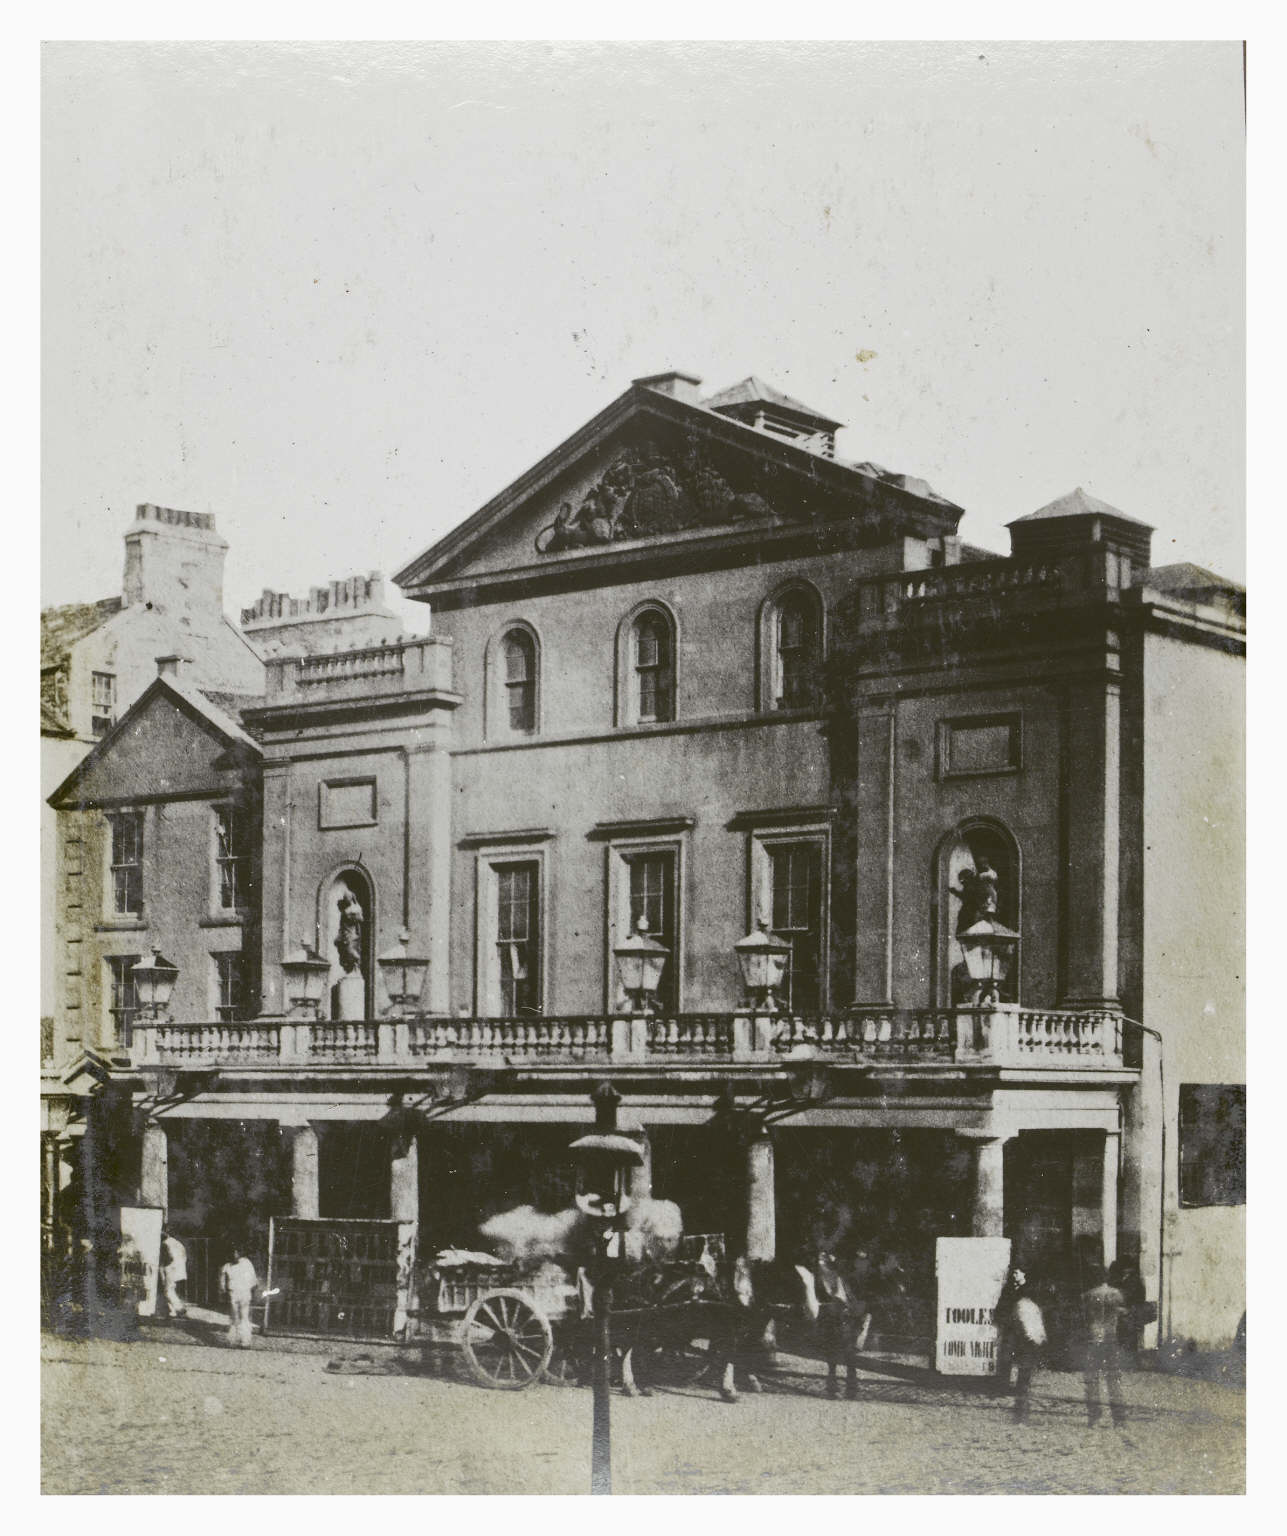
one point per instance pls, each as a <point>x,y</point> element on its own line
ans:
<point>679,386</point>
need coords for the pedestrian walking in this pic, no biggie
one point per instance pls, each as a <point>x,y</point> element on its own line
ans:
<point>1021,1337</point>
<point>174,1273</point>
<point>1125,1276</point>
<point>237,1281</point>
<point>1102,1306</point>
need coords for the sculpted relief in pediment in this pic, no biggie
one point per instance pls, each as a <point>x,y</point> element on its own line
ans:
<point>648,492</point>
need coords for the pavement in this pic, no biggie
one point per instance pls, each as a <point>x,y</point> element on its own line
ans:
<point>175,1412</point>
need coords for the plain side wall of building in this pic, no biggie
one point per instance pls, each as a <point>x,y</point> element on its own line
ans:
<point>1195,947</point>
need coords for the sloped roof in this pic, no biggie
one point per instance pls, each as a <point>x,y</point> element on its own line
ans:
<point>1196,583</point>
<point>62,627</point>
<point>445,553</point>
<point>1077,503</point>
<point>223,710</point>
<point>1184,574</point>
<point>224,716</point>
<point>752,391</point>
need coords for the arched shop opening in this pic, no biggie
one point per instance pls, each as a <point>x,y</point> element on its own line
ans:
<point>469,1173</point>
<point>226,1179</point>
<point>353,1171</point>
<point>879,1200</point>
<point>703,1170</point>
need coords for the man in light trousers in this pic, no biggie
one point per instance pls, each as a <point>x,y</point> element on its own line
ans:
<point>237,1281</point>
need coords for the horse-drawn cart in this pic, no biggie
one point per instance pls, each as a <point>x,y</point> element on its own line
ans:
<point>516,1324</point>
<point>503,1317</point>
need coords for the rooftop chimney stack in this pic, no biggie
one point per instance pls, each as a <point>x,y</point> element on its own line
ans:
<point>174,563</point>
<point>680,386</point>
<point>343,615</point>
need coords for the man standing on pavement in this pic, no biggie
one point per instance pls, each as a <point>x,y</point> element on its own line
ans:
<point>1102,1306</point>
<point>237,1281</point>
<point>174,1272</point>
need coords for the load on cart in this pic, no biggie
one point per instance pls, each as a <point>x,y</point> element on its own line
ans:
<point>522,1314</point>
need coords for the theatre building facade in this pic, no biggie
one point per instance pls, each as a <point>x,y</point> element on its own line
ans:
<point>700,694</point>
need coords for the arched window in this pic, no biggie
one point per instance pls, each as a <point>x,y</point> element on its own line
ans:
<point>791,649</point>
<point>512,685</point>
<point>654,668</point>
<point>646,666</point>
<point>520,681</point>
<point>974,849</point>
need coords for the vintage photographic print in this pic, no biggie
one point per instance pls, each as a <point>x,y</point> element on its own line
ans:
<point>642,751</point>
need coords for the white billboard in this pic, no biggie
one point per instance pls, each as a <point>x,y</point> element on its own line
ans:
<point>971,1272</point>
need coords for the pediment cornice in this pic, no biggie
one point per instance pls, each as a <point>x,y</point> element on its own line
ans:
<point>670,476</point>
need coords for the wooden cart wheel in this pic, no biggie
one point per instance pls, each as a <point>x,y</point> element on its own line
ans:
<point>507,1341</point>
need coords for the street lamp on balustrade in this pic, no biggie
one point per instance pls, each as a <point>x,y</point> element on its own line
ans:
<point>763,957</point>
<point>989,950</point>
<point>640,963</point>
<point>404,977</point>
<point>154,981</point>
<point>304,976</point>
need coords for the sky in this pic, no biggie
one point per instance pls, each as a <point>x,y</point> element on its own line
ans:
<point>342,294</point>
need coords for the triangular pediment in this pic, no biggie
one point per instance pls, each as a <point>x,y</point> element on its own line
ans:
<point>653,470</point>
<point>163,747</point>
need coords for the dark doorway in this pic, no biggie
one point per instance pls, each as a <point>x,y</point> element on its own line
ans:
<point>469,1173</point>
<point>353,1171</point>
<point>226,1179</point>
<point>703,1170</point>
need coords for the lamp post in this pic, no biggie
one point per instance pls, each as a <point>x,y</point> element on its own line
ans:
<point>154,981</point>
<point>603,1162</point>
<point>404,977</point>
<point>640,963</point>
<point>763,958</point>
<point>304,974</point>
<point>989,949</point>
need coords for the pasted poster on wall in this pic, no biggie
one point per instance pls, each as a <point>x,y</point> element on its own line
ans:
<point>140,1256</point>
<point>971,1272</point>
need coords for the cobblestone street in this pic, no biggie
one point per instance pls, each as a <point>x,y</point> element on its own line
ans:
<point>166,1415</point>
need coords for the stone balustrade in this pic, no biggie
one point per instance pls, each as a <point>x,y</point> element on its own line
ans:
<point>1004,1035</point>
<point>915,596</point>
<point>400,666</point>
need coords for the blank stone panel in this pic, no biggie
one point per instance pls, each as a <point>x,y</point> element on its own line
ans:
<point>346,803</point>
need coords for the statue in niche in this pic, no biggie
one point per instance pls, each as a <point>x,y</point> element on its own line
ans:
<point>348,942</point>
<point>978,895</point>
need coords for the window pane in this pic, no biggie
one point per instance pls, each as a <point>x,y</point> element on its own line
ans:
<point>103,703</point>
<point>231,995</point>
<point>1213,1144</point>
<point>518,937</point>
<point>647,695</point>
<point>654,670</point>
<point>520,680</point>
<point>797,917</point>
<point>652,896</point>
<point>797,652</point>
<point>230,856</point>
<point>127,866</point>
<point>124,997</point>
